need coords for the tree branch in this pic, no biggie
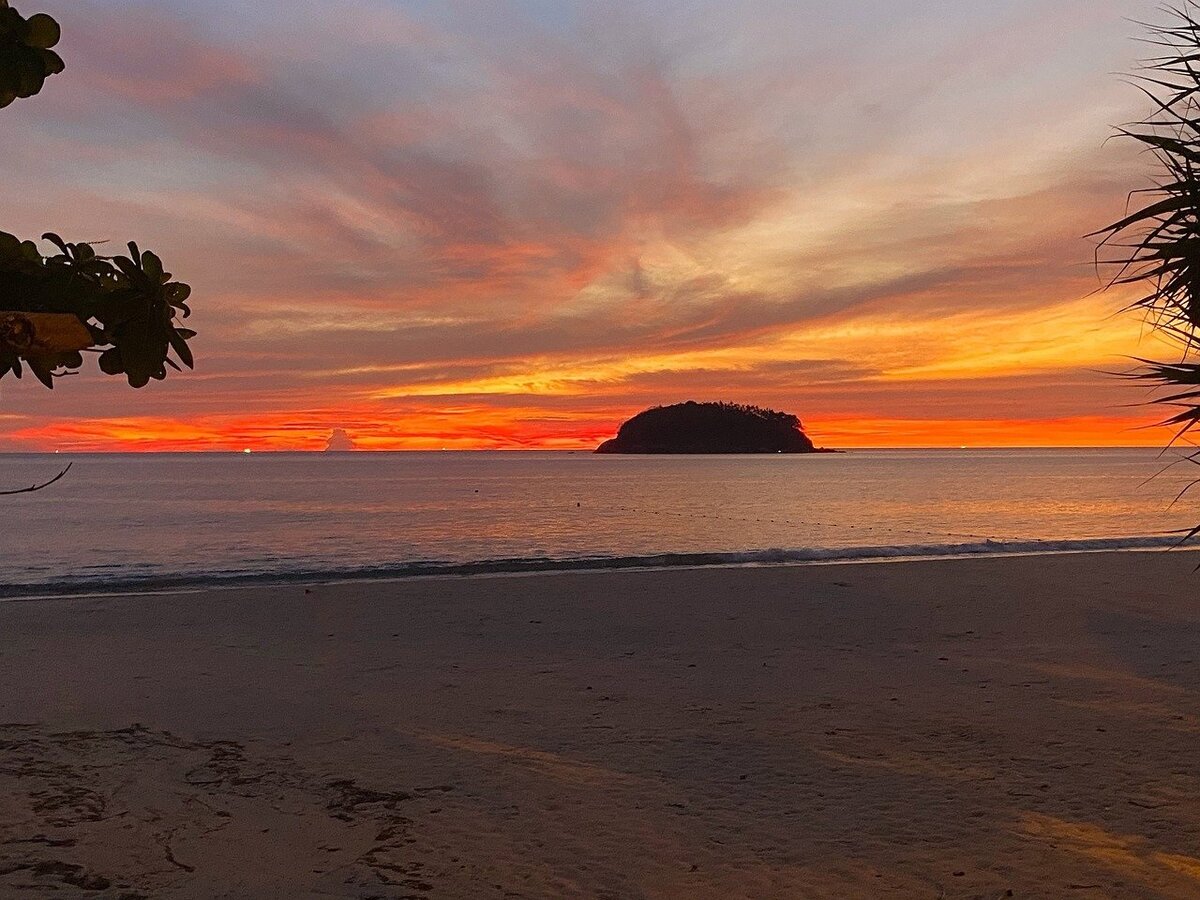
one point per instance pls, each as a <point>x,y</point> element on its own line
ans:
<point>38,487</point>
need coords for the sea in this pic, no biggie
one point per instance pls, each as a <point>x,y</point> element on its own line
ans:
<point>131,522</point>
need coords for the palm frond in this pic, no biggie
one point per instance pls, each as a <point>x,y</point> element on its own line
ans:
<point>1157,244</point>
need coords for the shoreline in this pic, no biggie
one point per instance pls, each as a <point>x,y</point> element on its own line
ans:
<point>91,586</point>
<point>953,727</point>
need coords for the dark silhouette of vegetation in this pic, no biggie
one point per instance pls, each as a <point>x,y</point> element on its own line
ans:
<point>26,60</point>
<point>1158,246</point>
<point>38,487</point>
<point>710,428</point>
<point>126,305</point>
<point>54,308</point>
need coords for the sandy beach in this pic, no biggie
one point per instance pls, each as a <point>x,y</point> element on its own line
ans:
<point>975,728</point>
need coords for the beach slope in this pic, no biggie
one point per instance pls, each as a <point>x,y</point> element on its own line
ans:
<point>958,728</point>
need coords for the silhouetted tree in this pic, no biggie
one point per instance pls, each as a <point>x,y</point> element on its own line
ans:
<point>53,308</point>
<point>1158,246</point>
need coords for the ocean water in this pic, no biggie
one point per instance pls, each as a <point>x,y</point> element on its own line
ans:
<point>150,521</point>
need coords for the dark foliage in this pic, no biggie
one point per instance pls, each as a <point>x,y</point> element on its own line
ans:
<point>52,308</point>
<point>1158,246</point>
<point>127,304</point>
<point>710,428</point>
<point>26,60</point>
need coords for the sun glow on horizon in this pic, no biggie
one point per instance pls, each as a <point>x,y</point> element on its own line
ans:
<point>478,248</point>
<point>310,431</point>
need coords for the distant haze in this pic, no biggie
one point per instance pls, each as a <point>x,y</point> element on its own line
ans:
<point>515,223</point>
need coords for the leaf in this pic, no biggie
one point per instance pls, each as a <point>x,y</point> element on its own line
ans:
<point>127,266</point>
<point>31,75</point>
<point>111,362</point>
<point>10,246</point>
<point>182,350</point>
<point>41,372</point>
<point>152,266</point>
<point>42,31</point>
<point>177,293</point>
<point>52,63</point>
<point>1155,209</point>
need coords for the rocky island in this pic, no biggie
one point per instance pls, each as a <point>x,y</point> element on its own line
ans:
<point>710,428</point>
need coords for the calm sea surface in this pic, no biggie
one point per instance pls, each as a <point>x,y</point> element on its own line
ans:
<point>158,520</point>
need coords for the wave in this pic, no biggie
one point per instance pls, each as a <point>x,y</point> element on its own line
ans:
<point>286,571</point>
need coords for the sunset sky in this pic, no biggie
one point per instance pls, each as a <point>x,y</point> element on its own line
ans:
<point>514,223</point>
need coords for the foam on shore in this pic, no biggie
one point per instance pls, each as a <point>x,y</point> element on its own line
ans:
<point>135,579</point>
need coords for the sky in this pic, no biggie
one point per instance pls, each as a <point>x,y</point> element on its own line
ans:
<point>514,223</point>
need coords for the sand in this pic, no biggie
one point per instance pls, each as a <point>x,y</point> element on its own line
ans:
<point>922,729</point>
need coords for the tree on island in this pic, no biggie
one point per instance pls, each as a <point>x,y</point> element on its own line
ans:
<point>1158,246</point>
<point>710,428</point>
<point>54,308</point>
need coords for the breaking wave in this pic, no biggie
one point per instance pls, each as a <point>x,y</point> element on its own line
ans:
<point>116,580</point>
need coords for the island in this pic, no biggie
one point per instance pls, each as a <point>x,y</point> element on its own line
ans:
<point>710,428</point>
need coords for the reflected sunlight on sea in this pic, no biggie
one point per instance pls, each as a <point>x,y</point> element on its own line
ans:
<point>156,519</point>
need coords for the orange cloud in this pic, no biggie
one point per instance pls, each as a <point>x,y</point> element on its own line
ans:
<point>469,427</point>
<point>431,428</point>
<point>1077,431</point>
<point>512,233</point>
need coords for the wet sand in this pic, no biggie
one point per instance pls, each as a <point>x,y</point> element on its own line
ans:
<point>922,729</point>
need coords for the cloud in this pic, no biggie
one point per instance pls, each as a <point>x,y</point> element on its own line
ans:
<point>513,204</point>
<point>339,441</point>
